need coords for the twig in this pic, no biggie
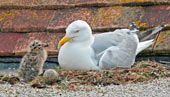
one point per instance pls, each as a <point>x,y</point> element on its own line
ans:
<point>153,46</point>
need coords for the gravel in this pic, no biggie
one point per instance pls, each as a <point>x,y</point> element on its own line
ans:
<point>156,88</point>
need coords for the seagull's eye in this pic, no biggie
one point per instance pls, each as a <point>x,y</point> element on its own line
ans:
<point>77,31</point>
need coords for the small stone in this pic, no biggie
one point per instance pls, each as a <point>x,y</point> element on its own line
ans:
<point>50,76</point>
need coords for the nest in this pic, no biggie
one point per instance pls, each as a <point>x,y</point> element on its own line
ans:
<point>139,72</point>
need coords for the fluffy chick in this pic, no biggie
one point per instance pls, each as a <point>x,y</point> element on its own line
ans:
<point>32,63</point>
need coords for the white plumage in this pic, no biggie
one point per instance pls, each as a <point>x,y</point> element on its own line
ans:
<point>80,50</point>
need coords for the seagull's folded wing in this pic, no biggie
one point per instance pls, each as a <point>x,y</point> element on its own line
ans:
<point>121,55</point>
<point>108,39</point>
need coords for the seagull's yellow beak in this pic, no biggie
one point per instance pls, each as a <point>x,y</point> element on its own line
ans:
<point>63,41</point>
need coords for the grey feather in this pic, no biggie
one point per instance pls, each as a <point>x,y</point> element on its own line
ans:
<point>122,54</point>
<point>147,34</point>
<point>120,47</point>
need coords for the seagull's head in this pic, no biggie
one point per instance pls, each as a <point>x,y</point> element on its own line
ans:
<point>77,31</point>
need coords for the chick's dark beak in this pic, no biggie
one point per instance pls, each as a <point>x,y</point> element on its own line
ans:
<point>46,45</point>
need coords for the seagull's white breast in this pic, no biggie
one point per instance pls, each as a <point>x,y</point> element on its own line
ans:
<point>75,56</point>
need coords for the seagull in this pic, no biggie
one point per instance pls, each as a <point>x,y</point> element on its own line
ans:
<point>79,49</point>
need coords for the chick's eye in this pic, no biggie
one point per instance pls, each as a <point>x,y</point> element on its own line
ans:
<point>77,31</point>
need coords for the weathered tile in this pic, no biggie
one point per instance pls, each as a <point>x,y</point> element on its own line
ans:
<point>163,41</point>
<point>89,2</point>
<point>51,38</point>
<point>15,44</point>
<point>29,3</point>
<point>24,20</point>
<point>64,17</point>
<point>162,45</point>
<point>5,2</point>
<point>112,17</point>
<point>157,15</point>
<point>8,43</point>
<point>33,2</point>
<point>57,3</point>
<point>97,18</point>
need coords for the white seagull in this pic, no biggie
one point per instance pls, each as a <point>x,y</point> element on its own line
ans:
<point>80,50</point>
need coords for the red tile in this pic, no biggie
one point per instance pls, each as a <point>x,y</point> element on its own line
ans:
<point>24,20</point>
<point>15,44</point>
<point>156,15</point>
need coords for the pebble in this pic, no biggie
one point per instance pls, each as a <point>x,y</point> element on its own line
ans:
<point>50,76</point>
<point>156,88</point>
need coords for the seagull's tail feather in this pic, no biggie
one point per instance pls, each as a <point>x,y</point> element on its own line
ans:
<point>147,34</point>
<point>143,45</point>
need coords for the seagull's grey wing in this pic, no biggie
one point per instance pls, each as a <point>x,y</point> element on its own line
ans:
<point>105,40</point>
<point>149,33</point>
<point>108,39</point>
<point>122,55</point>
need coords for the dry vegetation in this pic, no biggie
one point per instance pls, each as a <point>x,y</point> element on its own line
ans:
<point>140,72</point>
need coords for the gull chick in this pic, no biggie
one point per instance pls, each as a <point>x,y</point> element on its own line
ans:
<point>32,63</point>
